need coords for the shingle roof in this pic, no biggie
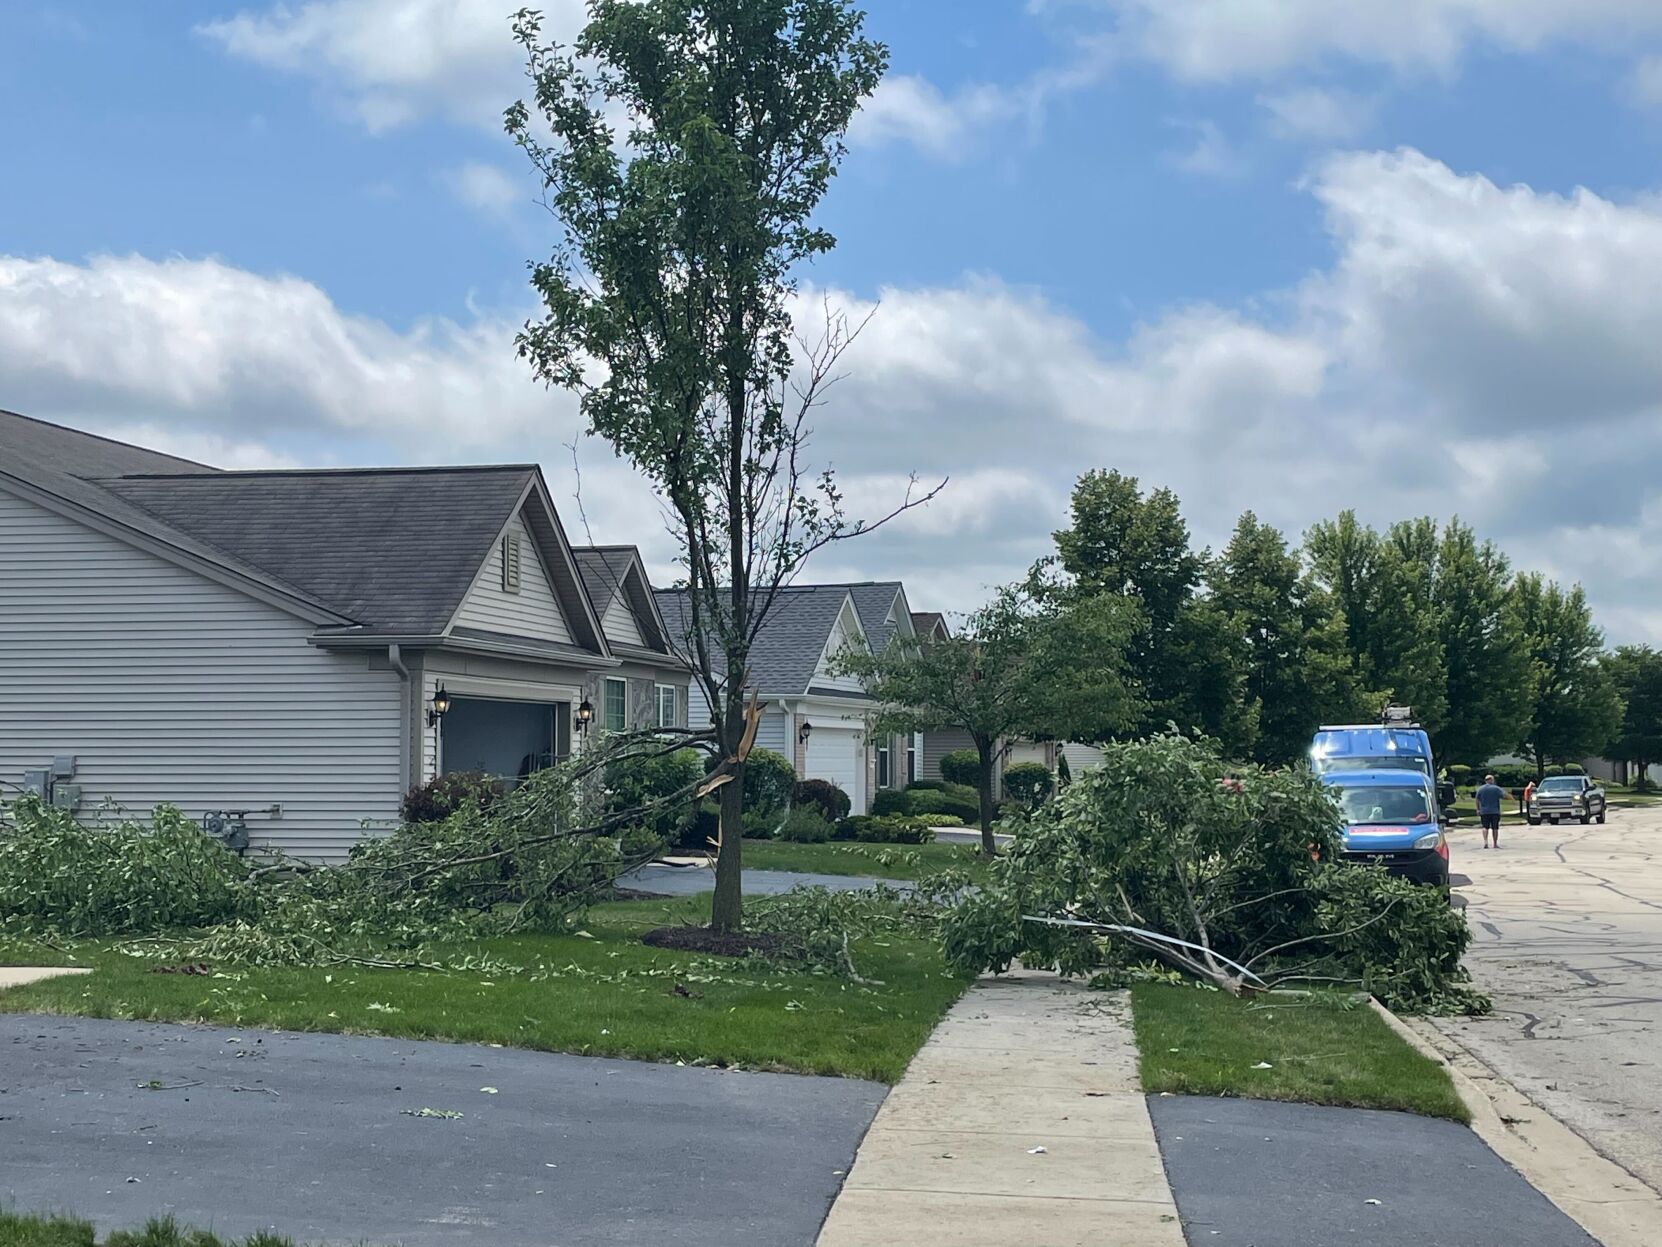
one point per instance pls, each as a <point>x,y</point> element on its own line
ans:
<point>61,460</point>
<point>925,622</point>
<point>874,600</point>
<point>394,549</point>
<point>788,648</point>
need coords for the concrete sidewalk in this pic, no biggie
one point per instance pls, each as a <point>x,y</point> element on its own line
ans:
<point>22,976</point>
<point>1020,1121</point>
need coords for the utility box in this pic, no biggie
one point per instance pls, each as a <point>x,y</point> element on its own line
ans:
<point>66,796</point>
<point>63,766</point>
<point>37,782</point>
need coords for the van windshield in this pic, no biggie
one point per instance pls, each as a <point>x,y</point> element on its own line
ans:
<point>1376,804</point>
<point>1396,762</point>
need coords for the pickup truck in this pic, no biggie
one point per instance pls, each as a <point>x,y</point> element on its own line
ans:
<point>1560,798</point>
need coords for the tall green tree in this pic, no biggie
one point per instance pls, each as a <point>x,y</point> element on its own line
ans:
<point>1298,669</point>
<point>1636,673</point>
<point>1484,661</point>
<point>1574,709</point>
<point>1018,667</point>
<point>1189,662</point>
<point>683,147</point>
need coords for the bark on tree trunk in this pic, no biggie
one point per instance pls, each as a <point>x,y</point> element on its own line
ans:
<point>984,748</point>
<point>727,910</point>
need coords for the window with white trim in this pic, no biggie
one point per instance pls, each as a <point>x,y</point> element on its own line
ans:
<point>616,706</point>
<point>914,753</point>
<point>510,563</point>
<point>668,706</point>
<point>883,764</point>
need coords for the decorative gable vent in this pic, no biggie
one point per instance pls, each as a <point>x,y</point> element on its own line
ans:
<point>510,563</point>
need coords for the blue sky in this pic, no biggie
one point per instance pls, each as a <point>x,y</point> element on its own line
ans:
<point>1318,256</point>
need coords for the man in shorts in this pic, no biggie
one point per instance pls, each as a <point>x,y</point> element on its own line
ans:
<point>1489,798</point>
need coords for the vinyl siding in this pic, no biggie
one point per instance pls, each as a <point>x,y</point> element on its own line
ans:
<point>619,623</point>
<point>772,733</point>
<point>844,633</point>
<point>533,611</point>
<point>169,687</point>
<point>937,745</point>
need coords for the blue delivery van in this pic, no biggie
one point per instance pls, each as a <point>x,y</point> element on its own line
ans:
<point>1392,819</point>
<point>1395,743</point>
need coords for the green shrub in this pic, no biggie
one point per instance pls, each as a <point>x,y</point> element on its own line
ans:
<point>1574,768</point>
<point>636,782</point>
<point>891,801</point>
<point>701,834</point>
<point>760,824</point>
<point>831,801</point>
<point>443,795</point>
<point>1027,782</point>
<point>806,825</point>
<point>769,779</point>
<point>1459,774</point>
<point>928,785</point>
<point>961,766</point>
<point>893,830</point>
<point>1553,771</point>
<point>952,800</point>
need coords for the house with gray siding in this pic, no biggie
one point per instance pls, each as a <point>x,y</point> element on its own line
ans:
<point>792,671</point>
<point>275,642</point>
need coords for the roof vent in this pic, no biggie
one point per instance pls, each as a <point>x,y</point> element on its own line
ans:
<point>510,562</point>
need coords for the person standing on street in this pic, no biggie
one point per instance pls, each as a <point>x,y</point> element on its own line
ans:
<point>1489,798</point>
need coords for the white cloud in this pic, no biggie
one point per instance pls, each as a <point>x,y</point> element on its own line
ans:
<point>393,61</point>
<point>486,188</point>
<point>1211,155</point>
<point>1218,40</point>
<point>911,109</point>
<point>1472,348</point>
<point>1319,114</point>
<point>1644,85</point>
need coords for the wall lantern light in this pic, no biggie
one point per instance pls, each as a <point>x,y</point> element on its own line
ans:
<point>440,708</point>
<point>585,715</point>
<point>803,732</point>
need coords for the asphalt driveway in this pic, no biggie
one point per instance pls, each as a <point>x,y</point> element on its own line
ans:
<point>1567,937</point>
<point>691,880</point>
<point>317,1136</point>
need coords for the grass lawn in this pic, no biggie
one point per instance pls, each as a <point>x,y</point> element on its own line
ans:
<point>1194,1042</point>
<point>603,993</point>
<point>25,1230</point>
<point>884,861</point>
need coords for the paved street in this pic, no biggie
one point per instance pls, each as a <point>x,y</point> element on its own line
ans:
<point>314,1135</point>
<point>1567,926</point>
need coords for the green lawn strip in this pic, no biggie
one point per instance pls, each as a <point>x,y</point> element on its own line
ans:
<point>1197,1042</point>
<point>882,861</point>
<point>604,995</point>
<point>20,950</point>
<point>32,1230</point>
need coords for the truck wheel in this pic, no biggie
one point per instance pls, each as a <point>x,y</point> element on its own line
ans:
<point>1585,819</point>
<point>1535,821</point>
<point>1601,816</point>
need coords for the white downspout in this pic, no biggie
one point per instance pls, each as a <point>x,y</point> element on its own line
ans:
<point>395,660</point>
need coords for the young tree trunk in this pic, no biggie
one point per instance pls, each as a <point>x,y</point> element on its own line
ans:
<point>727,909</point>
<point>984,748</point>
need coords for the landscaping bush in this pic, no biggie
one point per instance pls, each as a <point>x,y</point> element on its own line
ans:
<point>929,785</point>
<point>1459,775</point>
<point>443,795</point>
<point>1028,783</point>
<point>961,766</point>
<point>805,824</point>
<point>769,780</point>
<point>1574,768</point>
<point>635,782</point>
<point>831,801</point>
<point>952,800</point>
<point>1165,837</point>
<point>1554,770</point>
<point>890,829</point>
<point>891,801</point>
<point>704,829</point>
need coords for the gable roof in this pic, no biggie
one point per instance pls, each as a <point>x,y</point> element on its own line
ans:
<point>366,552</point>
<point>926,623</point>
<point>613,571</point>
<point>880,607</point>
<point>787,650</point>
<point>393,549</point>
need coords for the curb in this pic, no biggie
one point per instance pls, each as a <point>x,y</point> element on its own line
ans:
<point>22,976</point>
<point>1607,1201</point>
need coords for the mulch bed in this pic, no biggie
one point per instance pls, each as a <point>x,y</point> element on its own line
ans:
<point>635,894</point>
<point>704,940</point>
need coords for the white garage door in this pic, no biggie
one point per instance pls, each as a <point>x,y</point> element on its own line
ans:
<point>839,755</point>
